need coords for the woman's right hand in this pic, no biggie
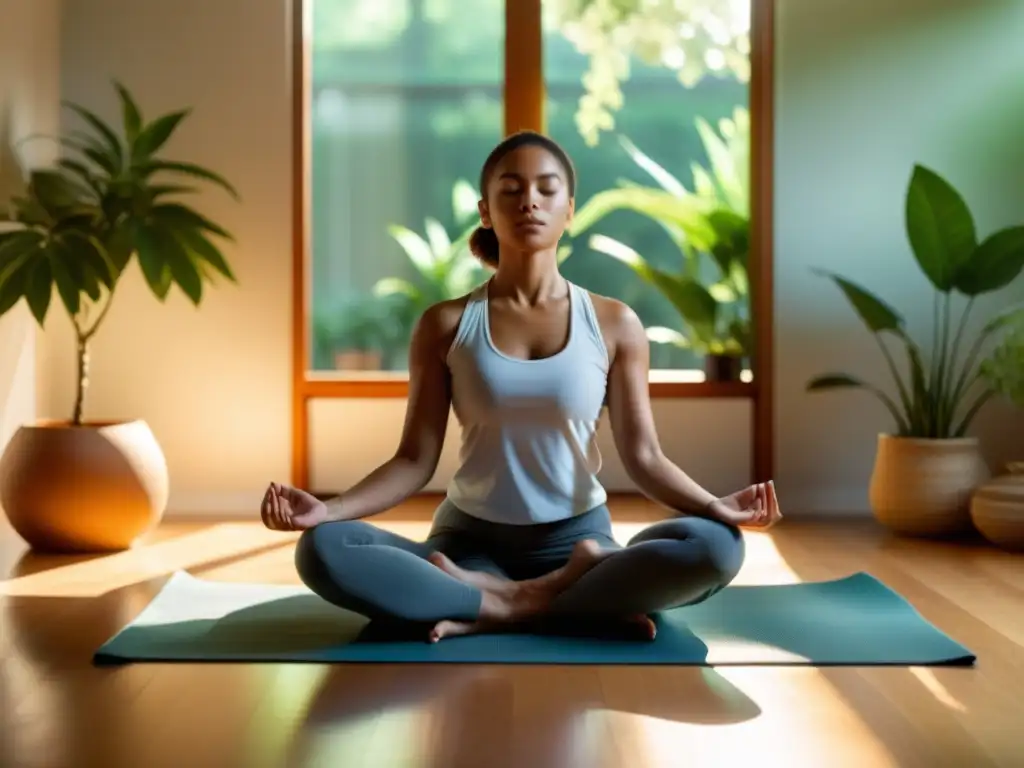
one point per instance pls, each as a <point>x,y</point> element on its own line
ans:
<point>289,509</point>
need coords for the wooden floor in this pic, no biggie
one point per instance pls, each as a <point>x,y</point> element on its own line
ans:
<point>57,711</point>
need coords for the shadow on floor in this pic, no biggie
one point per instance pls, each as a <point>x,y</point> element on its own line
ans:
<point>512,715</point>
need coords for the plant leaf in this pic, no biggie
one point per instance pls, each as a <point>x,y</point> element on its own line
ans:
<point>416,248</point>
<point>16,245</point>
<point>659,334</point>
<point>153,136</point>
<point>665,180</point>
<point>875,313</point>
<point>175,215</point>
<point>151,261</point>
<point>692,300</point>
<point>157,190</point>
<point>119,246</point>
<point>183,271</point>
<point>131,116</point>
<point>83,172</point>
<point>12,283</point>
<point>39,290</point>
<point>464,201</point>
<point>438,238</point>
<point>843,381</point>
<point>687,214</point>
<point>732,240</point>
<point>68,284</point>
<point>391,286</point>
<point>205,251</point>
<point>939,226</point>
<point>994,264</point>
<point>722,293</point>
<point>188,169</point>
<point>54,191</point>
<point>111,148</point>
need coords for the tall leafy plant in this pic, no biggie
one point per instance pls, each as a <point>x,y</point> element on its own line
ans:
<point>710,225</point>
<point>77,225</point>
<point>939,394</point>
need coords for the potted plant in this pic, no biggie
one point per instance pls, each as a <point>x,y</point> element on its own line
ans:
<point>710,226</point>
<point>997,508</point>
<point>927,468</point>
<point>365,332</point>
<point>75,484</point>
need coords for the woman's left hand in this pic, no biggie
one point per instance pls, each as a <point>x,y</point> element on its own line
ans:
<point>756,506</point>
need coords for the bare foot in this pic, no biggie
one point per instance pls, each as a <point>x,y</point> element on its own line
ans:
<point>478,579</point>
<point>644,624</point>
<point>448,628</point>
<point>508,602</point>
<point>585,555</point>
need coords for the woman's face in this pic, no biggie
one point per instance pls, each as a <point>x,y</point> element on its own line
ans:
<point>527,201</point>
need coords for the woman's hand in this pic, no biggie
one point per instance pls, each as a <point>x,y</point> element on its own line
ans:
<point>289,509</point>
<point>754,507</point>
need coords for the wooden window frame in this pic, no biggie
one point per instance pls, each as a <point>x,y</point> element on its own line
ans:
<point>524,93</point>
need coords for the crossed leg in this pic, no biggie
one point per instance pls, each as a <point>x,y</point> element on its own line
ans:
<point>676,562</point>
<point>446,581</point>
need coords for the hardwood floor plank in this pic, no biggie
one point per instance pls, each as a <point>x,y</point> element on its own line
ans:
<point>60,712</point>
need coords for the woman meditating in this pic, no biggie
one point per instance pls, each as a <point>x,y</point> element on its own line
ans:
<point>527,361</point>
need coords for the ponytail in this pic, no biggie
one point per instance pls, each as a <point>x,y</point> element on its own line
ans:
<point>483,243</point>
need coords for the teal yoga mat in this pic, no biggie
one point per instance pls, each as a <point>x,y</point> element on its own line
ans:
<point>856,620</point>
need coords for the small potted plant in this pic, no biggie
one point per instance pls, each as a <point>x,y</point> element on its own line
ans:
<point>927,467</point>
<point>75,484</point>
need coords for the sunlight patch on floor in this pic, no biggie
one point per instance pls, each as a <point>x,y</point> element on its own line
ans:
<point>98,575</point>
<point>942,694</point>
<point>796,726</point>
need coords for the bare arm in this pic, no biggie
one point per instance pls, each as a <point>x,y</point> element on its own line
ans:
<point>629,406</point>
<point>426,421</point>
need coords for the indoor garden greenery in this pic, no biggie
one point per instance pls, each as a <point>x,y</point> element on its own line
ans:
<point>939,394</point>
<point>710,226</point>
<point>76,226</point>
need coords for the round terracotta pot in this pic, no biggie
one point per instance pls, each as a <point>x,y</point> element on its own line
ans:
<point>923,487</point>
<point>90,488</point>
<point>997,509</point>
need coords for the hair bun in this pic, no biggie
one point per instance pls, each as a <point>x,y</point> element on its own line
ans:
<point>483,244</point>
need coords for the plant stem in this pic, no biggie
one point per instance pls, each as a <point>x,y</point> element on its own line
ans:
<point>948,386</point>
<point>935,343</point>
<point>82,378</point>
<point>941,417</point>
<point>962,383</point>
<point>972,412</point>
<point>82,338</point>
<point>899,382</point>
<point>99,318</point>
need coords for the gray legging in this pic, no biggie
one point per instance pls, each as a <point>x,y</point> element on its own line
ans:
<point>363,568</point>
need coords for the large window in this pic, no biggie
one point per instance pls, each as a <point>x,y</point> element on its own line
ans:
<point>406,98</point>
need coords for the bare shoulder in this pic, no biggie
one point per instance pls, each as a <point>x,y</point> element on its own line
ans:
<point>620,325</point>
<point>440,322</point>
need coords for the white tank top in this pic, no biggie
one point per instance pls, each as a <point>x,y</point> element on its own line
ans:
<point>529,445</point>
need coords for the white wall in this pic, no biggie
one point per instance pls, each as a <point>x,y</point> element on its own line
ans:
<point>864,90</point>
<point>29,97</point>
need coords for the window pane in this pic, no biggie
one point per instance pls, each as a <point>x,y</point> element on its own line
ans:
<point>406,100</point>
<point>628,92</point>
